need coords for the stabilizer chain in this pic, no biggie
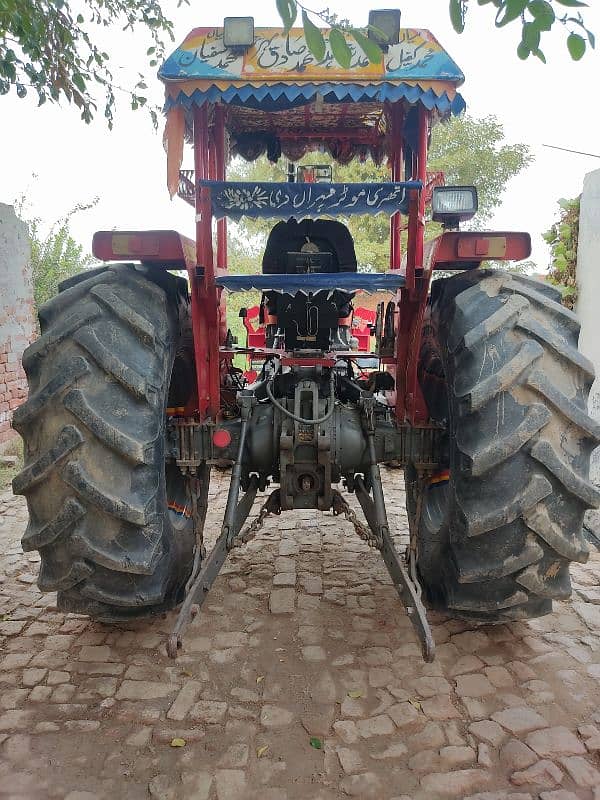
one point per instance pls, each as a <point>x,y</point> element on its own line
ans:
<point>341,507</point>
<point>272,505</point>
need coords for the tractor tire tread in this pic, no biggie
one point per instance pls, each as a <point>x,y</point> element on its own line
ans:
<point>517,387</point>
<point>93,427</point>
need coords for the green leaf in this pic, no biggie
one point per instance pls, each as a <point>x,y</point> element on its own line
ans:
<point>316,743</point>
<point>288,11</point>
<point>539,54</point>
<point>314,38</point>
<point>572,3</point>
<point>457,15</point>
<point>78,81</point>
<point>369,47</point>
<point>543,13</point>
<point>510,11</point>
<point>531,36</point>
<point>576,46</point>
<point>523,51</point>
<point>339,48</point>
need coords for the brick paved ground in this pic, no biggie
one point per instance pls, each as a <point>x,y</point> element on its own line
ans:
<point>302,637</point>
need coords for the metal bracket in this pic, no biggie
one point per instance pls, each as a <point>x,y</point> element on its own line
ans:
<point>236,514</point>
<point>376,516</point>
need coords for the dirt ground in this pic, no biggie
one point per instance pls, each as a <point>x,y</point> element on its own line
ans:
<point>301,678</point>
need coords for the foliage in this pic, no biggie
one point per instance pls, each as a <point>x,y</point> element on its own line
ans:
<point>53,47</point>
<point>563,238</point>
<point>55,255</point>
<point>13,447</point>
<point>470,151</point>
<point>473,152</point>
<point>534,16</point>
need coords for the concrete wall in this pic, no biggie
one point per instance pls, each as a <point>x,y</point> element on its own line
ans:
<point>588,301</point>
<point>17,319</point>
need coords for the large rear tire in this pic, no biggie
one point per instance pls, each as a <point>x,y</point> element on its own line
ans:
<point>500,369</point>
<point>112,522</point>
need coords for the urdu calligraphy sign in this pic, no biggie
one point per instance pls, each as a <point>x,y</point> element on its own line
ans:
<point>285,200</point>
<point>278,57</point>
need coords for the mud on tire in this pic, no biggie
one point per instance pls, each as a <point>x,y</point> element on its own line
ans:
<point>500,368</point>
<point>110,351</point>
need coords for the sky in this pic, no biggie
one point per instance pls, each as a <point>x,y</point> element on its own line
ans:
<point>49,155</point>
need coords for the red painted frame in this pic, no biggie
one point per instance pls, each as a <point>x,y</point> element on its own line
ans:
<point>451,250</point>
<point>208,304</point>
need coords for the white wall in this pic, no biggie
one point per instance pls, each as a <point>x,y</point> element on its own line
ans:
<point>588,302</point>
<point>17,327</point>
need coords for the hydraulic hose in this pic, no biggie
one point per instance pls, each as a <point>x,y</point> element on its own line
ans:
<point>295,417</point>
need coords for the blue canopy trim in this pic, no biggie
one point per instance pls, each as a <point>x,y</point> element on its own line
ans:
<point>315,282</point>
<point>285,200</point>
<point>282,96</point>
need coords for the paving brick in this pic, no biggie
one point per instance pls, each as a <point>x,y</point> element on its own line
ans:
<point>275,717</point>
<point>520,719</point>
<point>517,756</point>
<point>375,726</point>
<point>581,771</point>
<point>367,785</point>
<point>350,760</point>
<point>282,601</point>
<point>473,686</point>
<point>144,690</point>
<point>488,731</point>
<point>246,678</point>
<point>184,700</point>
<point>455,784</point>
<point>558,741</point>
<point>543,773</point>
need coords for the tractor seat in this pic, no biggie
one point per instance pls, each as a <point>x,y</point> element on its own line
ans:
<point>319,245</point>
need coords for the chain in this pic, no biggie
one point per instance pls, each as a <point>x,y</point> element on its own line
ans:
<point>270,506</point>
<point>340,506</point>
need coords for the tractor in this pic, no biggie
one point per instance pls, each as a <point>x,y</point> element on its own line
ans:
<point>473,382</point>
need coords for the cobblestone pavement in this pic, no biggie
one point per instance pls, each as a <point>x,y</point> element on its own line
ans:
<point>302,639</point>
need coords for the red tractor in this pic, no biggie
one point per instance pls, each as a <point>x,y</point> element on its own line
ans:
<point>475,385</point>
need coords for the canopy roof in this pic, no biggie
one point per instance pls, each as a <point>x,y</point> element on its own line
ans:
<point>278,73</point>
<point>279,100</point>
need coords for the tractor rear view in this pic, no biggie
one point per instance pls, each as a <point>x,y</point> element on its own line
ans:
<point>472,383</point>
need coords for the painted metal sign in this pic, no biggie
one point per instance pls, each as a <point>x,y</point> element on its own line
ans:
<point>284,200</point>
<point>275,57</point>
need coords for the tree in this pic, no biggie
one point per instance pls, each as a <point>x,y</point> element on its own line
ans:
<point>55,255</point>
<point>563,238</point>
<point>469,151</point>
<point>535,17</point>
<point>53,47</point>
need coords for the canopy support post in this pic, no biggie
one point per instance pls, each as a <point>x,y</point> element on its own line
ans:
<point>410,404</point>
<point>397,123</point>
<point>204,293</point>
